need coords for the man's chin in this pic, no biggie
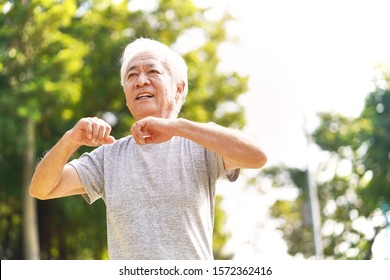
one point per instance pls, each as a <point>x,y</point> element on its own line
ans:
<point>145,113</point>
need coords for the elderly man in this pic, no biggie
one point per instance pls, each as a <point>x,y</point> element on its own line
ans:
<point>158,184</point>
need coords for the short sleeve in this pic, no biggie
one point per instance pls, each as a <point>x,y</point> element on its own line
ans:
<point>232,174</point>
<point>90,168</point>
<point>218,168</point>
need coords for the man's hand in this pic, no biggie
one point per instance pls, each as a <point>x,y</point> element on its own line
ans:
<point>91,132</point>
<point>152,130</point>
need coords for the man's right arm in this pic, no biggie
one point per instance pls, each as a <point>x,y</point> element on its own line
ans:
<point>55,178</point>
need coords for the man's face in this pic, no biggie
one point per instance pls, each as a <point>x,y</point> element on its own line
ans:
<point>149,87</point>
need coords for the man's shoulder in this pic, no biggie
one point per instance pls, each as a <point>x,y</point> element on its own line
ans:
<point>119,144</point>
<point>123,140</point>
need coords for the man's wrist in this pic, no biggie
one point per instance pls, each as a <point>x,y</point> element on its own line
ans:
<point>180,127</point>
<point>68,143</point>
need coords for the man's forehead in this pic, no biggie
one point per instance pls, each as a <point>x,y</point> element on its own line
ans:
<point>145,59</point>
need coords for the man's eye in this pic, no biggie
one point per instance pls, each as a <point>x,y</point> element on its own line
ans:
<point>154,71</point>
<point>131,75</point>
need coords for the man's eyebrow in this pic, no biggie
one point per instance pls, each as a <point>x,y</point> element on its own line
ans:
<point>150,65</point>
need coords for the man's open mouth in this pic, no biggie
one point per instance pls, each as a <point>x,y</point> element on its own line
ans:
<point>144,95</point>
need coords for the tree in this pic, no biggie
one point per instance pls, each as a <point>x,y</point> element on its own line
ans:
<point>352,183</point>
<point>30,87</point>
<point>59,61</point>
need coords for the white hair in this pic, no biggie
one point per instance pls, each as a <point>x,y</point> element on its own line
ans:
<point>171,59</point>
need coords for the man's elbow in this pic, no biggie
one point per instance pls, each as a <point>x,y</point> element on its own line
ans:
<point>259,160</point>
<point>36,194</point>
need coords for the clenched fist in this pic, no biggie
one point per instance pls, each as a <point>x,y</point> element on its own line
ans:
<point>152,130</point>
<point>91,132</point>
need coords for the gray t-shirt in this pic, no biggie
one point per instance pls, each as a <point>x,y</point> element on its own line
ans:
<point>159,198</point>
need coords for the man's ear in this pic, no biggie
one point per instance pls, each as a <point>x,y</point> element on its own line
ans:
<point>179,90</point>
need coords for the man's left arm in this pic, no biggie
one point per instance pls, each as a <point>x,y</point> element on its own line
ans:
<point>236,149</point>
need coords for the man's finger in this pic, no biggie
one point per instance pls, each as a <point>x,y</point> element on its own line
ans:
<point>87,125</point>
<point>95,131</point>
<point>109,140</point>
<point>102,128</point>
<point>136,131</point>
<point>107,131</point>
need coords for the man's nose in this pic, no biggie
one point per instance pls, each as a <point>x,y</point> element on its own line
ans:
<point>142,80</point>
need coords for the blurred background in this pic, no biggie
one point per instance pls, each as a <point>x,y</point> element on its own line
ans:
<point>309,80</point>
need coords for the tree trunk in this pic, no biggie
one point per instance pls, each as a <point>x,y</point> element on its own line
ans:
<point>30,222</point>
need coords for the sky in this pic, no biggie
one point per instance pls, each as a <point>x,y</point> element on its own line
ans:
<point>302,58</point>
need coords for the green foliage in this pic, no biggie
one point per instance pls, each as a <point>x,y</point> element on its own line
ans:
<point>352,183</point>
<point>60,61</point>
<point>377,157</point>
<point>220,237</point>
<point>293,215</point>
<point>336,131</point>
<point>38,81</point>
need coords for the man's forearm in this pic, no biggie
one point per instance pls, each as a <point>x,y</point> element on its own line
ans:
<point>48,172</point>
<point>232,145</point>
